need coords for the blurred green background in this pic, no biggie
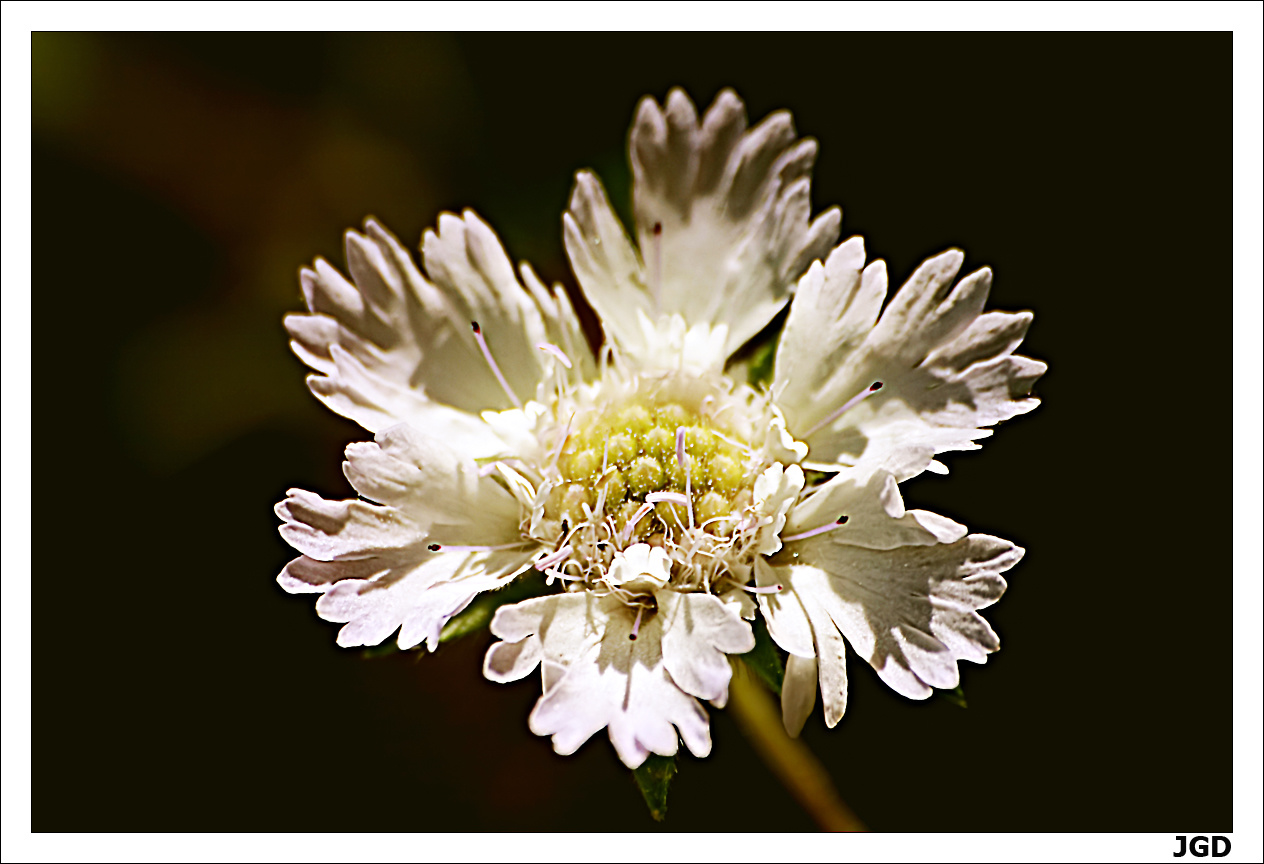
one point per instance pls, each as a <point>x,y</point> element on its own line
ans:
<point>180,181</point>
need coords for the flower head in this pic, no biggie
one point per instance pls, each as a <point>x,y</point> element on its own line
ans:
<point>666,500</point>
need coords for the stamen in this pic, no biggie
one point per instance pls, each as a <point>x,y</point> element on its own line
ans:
<point>558,574</point>
<point>487,469</point>
<point>668,497</point>
<point>444,547</point>
<point>656,274</point>
<point>849,404</point>
<point>487,355</point>
<point>708,402</point>
<point>689,496</point>
<point>738,444</point>
<point>549,560</point>
<point>636,517</point>
<point>637,626</point>
<point>765,589</point>
<point>680,460</point>
<point>842,520</point>
<point>561,442</point>
<point>550,348</point>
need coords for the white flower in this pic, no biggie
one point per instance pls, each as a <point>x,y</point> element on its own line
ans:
<point>656,492</point>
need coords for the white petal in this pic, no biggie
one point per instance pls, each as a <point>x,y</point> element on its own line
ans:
<point>512,661</point>
<point>416,597</point>
<point>424,619</point>
<point>465,259</point>
<point>928,310</point>
<point>723,221</point>
<point>803,588</point>
<point>568,625</point>
<point>779,445</point>
<point>875,513</point>
<point>698,631</point>
<point>671,342</point>
<point>382,324</point>
<point>562,325</point>
<point>372,562</point>
<point>947,370</point>
<point>775,492</point>
<point>516,427</point>
<point>831,659</point>
<point>783,612</point>
<point>740,603</point>
<point>910,612</point>
<point>519,487</point>
<point>376,403</point>
<point>733,206</point>
<point>353,529</point>
<point>434,488</point>
<point>607,266</point>
<point>429,495</point>
<point>798,693</point>
<point>597,677</point>
<point>642,565</point>
<point>832,313</point>
<point>392,347</point>
<point>306,575</point>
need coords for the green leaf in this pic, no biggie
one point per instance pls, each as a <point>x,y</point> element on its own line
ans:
<point>815,478</point>
<point>956,696</point>
<point>653,778</point>
<point>760,368</point>
<point>479,613</point>
<point>765,659</point>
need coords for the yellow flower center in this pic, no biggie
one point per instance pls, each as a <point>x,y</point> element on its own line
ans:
<point>629,451</point>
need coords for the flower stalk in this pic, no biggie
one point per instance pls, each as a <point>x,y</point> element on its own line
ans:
<point>789,758</point>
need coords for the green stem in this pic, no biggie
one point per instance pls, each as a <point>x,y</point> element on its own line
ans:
<point>789,758</point>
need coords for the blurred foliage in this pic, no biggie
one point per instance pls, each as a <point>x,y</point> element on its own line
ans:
<point>270,165</point>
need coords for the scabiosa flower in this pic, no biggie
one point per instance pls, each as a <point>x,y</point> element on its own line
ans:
<point>666,501</point>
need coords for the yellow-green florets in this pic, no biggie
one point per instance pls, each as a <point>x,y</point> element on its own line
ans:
<point>629,450</point>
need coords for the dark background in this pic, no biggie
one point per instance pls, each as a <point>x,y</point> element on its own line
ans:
<point>180,181</point>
